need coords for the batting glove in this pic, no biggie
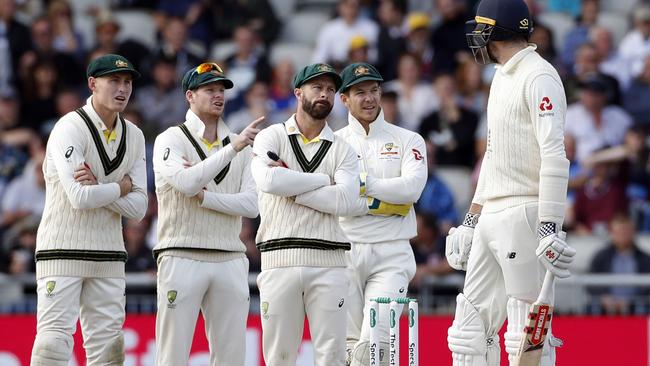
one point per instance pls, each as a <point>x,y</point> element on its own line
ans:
<point>553,251</point>
<point>459,242</point>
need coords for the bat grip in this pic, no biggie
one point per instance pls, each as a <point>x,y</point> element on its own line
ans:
<point>546,293</point>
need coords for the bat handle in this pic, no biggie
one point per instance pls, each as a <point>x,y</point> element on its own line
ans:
<point>547,288</point>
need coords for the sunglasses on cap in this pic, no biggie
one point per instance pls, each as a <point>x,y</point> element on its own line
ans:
<point>208,67</point>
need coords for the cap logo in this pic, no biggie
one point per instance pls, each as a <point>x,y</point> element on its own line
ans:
<point>361,70</point>
<point>324,68</point>
<point>120,63</point>
<point>523,24</point>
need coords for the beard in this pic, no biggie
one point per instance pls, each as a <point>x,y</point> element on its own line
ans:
<point>317,110</point>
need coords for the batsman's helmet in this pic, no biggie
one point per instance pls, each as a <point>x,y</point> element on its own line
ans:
<point>497,20</point>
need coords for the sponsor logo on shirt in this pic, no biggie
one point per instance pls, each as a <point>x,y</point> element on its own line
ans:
<point>417,154</point>
<point>546,107</point>
<point>68,152</point>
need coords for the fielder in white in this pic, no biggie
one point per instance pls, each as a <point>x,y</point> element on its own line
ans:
<point>515,219</point>
<point>204,187</point>
<point>392,162</point>
<point>306,177</point>
<point>95,175</point>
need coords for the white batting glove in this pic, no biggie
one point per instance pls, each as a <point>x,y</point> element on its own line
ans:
<point>459,242</point>
<point>553,251</point>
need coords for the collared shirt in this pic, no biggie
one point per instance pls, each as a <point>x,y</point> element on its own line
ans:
<point>309,147</point>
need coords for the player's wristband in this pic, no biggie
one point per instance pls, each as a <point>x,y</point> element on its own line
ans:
<point>547,228</point>
<point>471,219</point>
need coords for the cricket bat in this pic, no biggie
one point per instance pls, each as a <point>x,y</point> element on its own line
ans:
<point>539,320</point>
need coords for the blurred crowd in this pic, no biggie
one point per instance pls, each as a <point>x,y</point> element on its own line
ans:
<point>432,86</point>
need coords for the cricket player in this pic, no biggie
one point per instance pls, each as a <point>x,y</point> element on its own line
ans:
<point>306,177</point>
<point>94,174</point>
<point>513,225</point>
<point>393,172</point>
<point>204,186</point>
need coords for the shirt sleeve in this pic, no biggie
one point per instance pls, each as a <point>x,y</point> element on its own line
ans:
<point>405,189</point>
<point>340,199</point>
<point>547,105</point>
<point>242,203</point>
<point>66,150</point>
<point>169,160</point>
<point>278,180</point>
<point>134,204</point>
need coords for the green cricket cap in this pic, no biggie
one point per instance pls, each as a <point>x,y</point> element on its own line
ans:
<point>205,73</point>
<point>358,72</point>
<point>110,64</point>
<point>315,70</point>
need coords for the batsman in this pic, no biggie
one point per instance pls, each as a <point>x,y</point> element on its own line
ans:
<point>513,226</point>
<point>392,162</point>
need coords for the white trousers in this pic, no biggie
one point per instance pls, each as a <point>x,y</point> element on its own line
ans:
<point>286,296</point>
<point>219,291</point>
<point>376,270</point>
<point>99,305</point>
<point>502,263</point>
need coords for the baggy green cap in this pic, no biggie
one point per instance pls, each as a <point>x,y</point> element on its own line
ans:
<point>205,73</point>
<point>110,64</point>
<point>313,71</point>
<point>358,72</point>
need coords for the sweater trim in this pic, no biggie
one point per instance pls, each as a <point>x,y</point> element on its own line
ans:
<point>309,166</point>
<point>301,243</point>
<point>225,141</point>
<point>109,165</point>
<point>83,255</point>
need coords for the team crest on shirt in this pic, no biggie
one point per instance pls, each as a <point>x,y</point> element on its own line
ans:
<point>389,151</point>
<point>49,288</point>
<point>171,298</point>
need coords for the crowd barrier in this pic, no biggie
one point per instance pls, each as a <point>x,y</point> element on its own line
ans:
<point>593,341</point>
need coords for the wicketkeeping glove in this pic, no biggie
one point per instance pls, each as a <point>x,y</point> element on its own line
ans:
<point>459,242</point>
<point>380,208</point>
<point>553,251</point>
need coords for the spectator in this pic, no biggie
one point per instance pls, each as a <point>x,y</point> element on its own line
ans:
<point>436,198</point>
<point>14,42</point>
<point>636,97</point>
<point>419,44</point>
<point>39,95</point>
<point>592,123</point>
<point>429,250</point>
<point>472,91</point>
<point>66,38</point>
<point>258,14</point>
<point>542,36</point>
<point>173,46</point>
<point>246,65</point>
<point>43,48</point>
<point>451,128</point>
<point>585,67</point>
<point>610,61</point>
<point>635,46</point>
<point>140,258</point>
<point>448,38</point>
<point>281,89</point>
<point>358,50</point>
<point>390,43</point>
<point>162,104</point>
<point>415,99</point>
<point>334,37</point>
<point>579,35</point>
<point>389,106</point>
<point>569,6</point>
<point>258,104</point>
<point>20,246</point>
<point>621,256</point>
<point>14,141</point>
<point>107,29</point>
<point>25,195</point>
<point>66,101</point>
<point>196,15</point>
<point>601,198</point>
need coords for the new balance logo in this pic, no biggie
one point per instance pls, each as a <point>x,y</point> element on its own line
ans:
<point>511,255</point>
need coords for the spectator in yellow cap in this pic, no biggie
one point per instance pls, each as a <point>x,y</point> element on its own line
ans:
<point>418,41</point>
<point>358,50</point>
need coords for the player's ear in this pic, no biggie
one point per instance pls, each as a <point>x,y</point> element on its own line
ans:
<point>297,92</point>
<point>345,98</point>
<point>189,96</point>
<point>92,83</point>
